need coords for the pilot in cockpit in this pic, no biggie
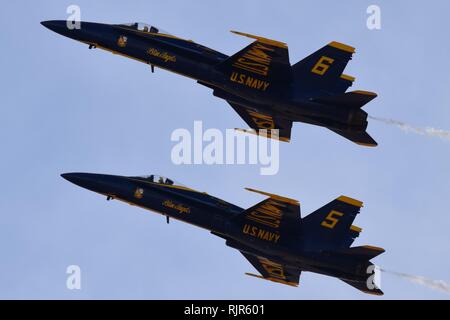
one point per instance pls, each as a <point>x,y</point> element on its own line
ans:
<point>157,179</point>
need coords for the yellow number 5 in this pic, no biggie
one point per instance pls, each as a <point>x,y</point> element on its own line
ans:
<point>332,219</point>
<point>322,65</point>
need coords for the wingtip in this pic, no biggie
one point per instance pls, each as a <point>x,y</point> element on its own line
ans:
<point>381,250</point>
<point>276,197</point>
<point>342,46</point>
<point>292,284</point>
<point>370,145</point>
<point>269,136</point>
<point>351,201</point>
<point>274,43</point>
<point>366,93</point>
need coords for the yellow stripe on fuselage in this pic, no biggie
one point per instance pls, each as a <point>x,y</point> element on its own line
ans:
<point>141,60</point>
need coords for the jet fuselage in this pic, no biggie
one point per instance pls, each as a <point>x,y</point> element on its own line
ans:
<point>187,58</point>
<point>218,216</point>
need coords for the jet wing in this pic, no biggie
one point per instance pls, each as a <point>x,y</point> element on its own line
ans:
<point>264,59</point>
<point>264,121</point>
<point>263,66</point>
<point>273,271</point>
<point>275,220</point>
<point>287,208</point>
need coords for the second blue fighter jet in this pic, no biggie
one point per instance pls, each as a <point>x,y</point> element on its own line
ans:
<point>271,235</point>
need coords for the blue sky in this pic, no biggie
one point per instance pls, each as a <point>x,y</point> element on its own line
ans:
<point>66,108</point>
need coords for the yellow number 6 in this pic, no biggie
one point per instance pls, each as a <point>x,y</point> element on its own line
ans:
<point>322,65</point>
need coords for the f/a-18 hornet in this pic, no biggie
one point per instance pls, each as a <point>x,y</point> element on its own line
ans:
<point>271,235</point>
<point>258,82</point>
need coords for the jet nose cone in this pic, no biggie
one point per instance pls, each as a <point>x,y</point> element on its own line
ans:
<point>58,26</point>
<point>45,23</point>
<point>80,179</point>
<point>82,31</point>
<point>101,183</point>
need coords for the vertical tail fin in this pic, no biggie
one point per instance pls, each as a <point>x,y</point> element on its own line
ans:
<point>322,71</point>
<point>330,227</point>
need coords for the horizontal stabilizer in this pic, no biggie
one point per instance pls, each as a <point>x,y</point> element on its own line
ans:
<point>359,137</point>
<point>354,99</point>
<point>365,252</point>
<point>362,253</point>
<point>362,286</point>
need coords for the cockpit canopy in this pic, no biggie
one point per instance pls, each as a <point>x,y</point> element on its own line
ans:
<point>158,179</point>
<point>144,27</point>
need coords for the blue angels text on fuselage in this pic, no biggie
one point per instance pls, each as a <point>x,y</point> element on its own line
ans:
<point>271,235</point>
<point>258,82</point>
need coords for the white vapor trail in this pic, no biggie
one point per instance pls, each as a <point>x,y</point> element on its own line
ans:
<point>438,285</point>
<point>431,132</point>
